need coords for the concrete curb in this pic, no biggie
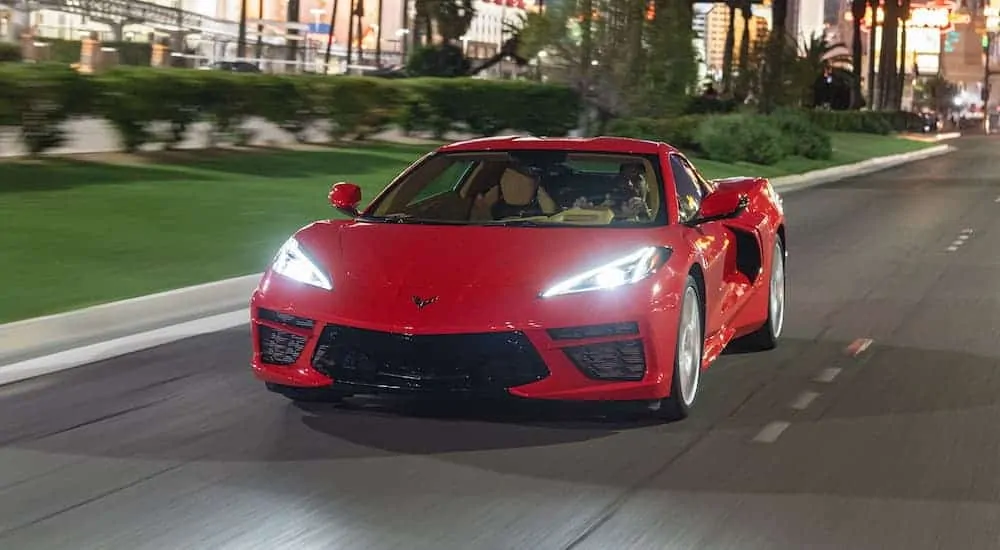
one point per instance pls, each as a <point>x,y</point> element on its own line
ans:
<point>43,345</point>
<point>56,333</point>
<point>798,182</point>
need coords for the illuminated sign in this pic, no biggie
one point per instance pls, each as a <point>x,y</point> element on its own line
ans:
<point>940,18</point>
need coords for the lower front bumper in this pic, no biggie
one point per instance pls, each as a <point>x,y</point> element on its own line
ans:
<point>623,360</point>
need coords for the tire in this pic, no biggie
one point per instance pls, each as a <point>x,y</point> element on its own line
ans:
<point>766,337</point>
<point>688,355</point>
<point>307,395</point>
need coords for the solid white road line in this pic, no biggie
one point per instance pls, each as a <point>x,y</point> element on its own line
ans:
<point>771,432</point>
<point>803,401</point>
<point>22,370</point>
<point>827,375</point>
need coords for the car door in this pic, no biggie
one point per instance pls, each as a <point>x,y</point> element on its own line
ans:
<point>711,241</point>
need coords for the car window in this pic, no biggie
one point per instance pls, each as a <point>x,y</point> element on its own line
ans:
<point>445,182</point>
<point>689,192</point>
<point>533,187</point>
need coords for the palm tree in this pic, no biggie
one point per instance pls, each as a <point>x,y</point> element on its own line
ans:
<point>747,10</point>
<point>777,49</point>
<point>727,56</point>
<point>818,58</point>
<point>858,8</point>
<point>904,18</point>
<point>887,67</point>
<point>874,5</point>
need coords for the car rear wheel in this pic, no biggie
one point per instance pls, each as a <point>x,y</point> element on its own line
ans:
<point>307,395</point>
<point>766,337</point>
<point>690,348</point>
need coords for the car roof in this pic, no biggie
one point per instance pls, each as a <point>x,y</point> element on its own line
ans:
<point>595,144</point>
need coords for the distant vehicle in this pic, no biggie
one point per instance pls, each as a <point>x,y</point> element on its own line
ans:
<point>592,269</point>
<point>233,66</point>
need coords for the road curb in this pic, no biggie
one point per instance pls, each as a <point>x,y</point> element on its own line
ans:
<point>44,345</point>
<point>30,338</point>
<point>798,182</point>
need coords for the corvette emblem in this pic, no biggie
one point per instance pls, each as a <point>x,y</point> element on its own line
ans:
<point>421,303</point>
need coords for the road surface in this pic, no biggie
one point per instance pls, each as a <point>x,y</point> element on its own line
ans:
<point>874,425</point>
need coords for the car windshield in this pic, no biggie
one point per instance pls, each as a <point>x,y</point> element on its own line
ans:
<point>527,188</point>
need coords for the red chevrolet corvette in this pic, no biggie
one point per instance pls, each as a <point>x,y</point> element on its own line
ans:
<point>593,269</point>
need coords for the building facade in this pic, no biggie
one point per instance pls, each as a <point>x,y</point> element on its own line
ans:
<point>716,28</point>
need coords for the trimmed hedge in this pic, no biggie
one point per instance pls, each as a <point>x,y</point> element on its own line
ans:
<point>39,98</point>
<point>735,137</point>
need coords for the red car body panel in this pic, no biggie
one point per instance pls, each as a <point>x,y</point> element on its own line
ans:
<point>487,279</point>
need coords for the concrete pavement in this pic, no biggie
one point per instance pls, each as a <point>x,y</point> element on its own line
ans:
<point>871,426</point>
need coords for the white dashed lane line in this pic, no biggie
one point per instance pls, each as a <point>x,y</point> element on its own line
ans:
<point>771,432</point>
<point>827,375</point>
<point>803,401</point>
<point>960,239</point>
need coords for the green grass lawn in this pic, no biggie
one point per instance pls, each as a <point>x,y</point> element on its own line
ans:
<point>847,149</point>
<point>77,233</point>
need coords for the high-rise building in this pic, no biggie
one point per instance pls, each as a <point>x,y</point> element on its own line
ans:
<point>716,28</point>
<point>806,18</point>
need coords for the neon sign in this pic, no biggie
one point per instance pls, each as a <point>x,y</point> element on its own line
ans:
<point>940,18</point>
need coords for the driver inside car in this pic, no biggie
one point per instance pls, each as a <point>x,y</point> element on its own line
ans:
<point>628,197</point>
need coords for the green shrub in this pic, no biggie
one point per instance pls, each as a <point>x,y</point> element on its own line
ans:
<point>742,137</point>
<point>9,53</point>
<point>861,122</point>
<point>39,98</point>
<point>681,132</point>
<point>803,137</point>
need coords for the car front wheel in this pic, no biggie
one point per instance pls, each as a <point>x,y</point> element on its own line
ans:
<point>690,348</point>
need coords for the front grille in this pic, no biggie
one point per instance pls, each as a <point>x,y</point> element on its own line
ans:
<point>594,331</point>
<point>279,347</point>
<point>490,362</point>
<point>623,360</point>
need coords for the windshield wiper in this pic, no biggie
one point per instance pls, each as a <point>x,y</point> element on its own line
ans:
<point>393,218</point>
<point>520,223</point>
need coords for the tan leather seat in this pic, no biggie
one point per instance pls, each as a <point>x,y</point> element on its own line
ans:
<point>518,190</point>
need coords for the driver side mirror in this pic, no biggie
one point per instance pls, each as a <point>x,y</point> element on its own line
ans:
<point>346,197</point>
<point>721,206</point>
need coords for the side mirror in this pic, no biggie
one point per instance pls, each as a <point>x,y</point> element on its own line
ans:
<point>721,206</point>
<point>346,197</point>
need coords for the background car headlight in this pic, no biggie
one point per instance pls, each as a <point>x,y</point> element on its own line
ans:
<point>624,271</point>
<point>292,262</point>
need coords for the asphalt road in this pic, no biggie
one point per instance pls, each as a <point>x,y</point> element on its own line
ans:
<point>822,443</point>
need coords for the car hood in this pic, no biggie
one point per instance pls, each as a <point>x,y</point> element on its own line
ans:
<point>434,258</point>
<point>472,274</point>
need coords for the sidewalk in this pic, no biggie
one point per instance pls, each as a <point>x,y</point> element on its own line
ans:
<point>94,135</point>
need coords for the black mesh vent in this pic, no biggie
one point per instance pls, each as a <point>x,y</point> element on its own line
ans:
<point>285,319</point>
<point>489,362</point>
<point>622,361</point>
<point>279,347</point>
<point>594,331</point>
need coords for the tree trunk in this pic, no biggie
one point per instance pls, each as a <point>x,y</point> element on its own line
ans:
<point>774,66</point>
<point>872,44</point>
<point>727,56</point>
<point>887,68</point>
<point>858,13</point>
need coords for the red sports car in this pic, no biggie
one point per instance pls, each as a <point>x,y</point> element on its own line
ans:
<point>593,269</point>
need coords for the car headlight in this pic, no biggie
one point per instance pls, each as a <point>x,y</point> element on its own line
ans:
<point>624,271</point>
<point>292,262</point>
